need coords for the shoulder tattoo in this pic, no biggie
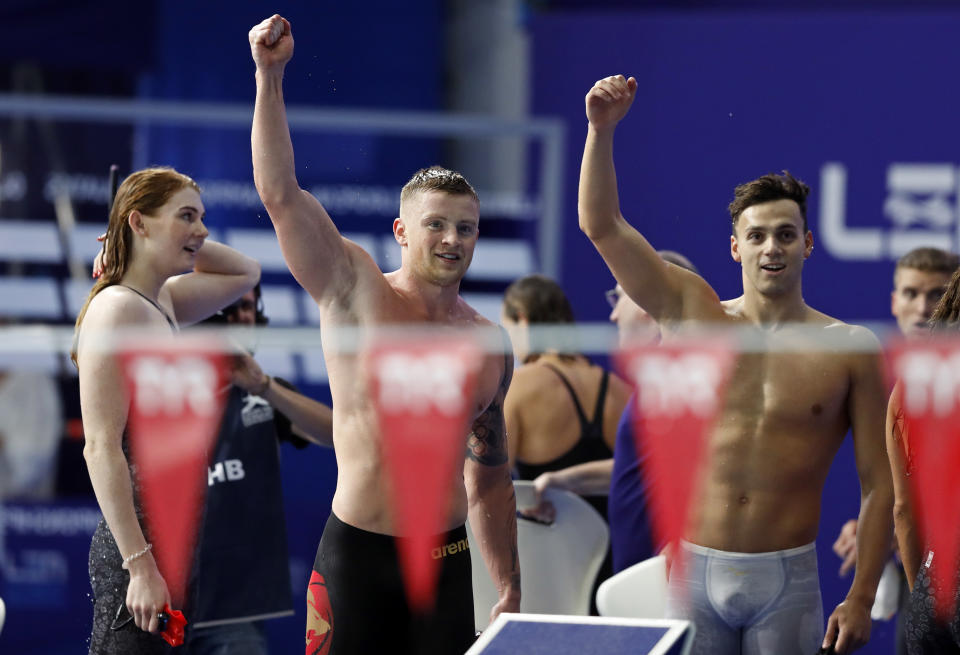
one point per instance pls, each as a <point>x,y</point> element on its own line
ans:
<point>487,441</point>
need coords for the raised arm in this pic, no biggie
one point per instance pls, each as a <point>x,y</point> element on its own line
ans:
<point>491,498</point>
<point>904,519</point>
<point>665,291</point>
<point>849,625</point>
<point>315,252</point>
<point>103,406</point>
<point>220,276</point>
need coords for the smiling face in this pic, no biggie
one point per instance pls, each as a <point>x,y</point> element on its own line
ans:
<point>915,295</point>
<point>437,232</point>
<point>173,234</point>
<point>770,244</point>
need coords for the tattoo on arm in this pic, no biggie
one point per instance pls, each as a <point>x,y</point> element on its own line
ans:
<point>487,442</point>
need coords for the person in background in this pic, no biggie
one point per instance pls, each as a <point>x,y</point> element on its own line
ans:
<point>244,528</point>
<point>620,476</point>
<point>631,532</point>
<point>561,410</point>
<point>925,633</point>
<point>919,280</point>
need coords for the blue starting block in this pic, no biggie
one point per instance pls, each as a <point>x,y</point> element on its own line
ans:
<point>550,634</point>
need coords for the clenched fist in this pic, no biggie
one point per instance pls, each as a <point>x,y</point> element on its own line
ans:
<point>609,100</point>
<point>271,43</point>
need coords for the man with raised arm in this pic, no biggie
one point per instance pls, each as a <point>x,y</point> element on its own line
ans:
<point>356,600</point>
<point>750,581</point>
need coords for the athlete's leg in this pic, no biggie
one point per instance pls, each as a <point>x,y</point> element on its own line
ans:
<point>688,597</point>
<point>792,621</point>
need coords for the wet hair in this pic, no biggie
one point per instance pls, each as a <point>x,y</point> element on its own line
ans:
<point>769,188</point>
<point>929,260</point>
<point>145,191</point>
<point>438,178</point>
<point>539,299</point>
<point>947,313</point>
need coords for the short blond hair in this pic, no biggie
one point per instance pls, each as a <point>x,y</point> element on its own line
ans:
<point>438,178</point>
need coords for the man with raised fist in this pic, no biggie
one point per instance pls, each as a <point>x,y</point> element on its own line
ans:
<point>750,581</point>
<point>355,600</point>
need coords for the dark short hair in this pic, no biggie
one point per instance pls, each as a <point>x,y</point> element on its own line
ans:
<point>929,260</point>
<point>538,299</point>
<point>438,178</point>
<point>769,188</point>
<point>223,316</point>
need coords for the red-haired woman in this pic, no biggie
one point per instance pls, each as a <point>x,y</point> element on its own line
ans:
<point>156,271</point>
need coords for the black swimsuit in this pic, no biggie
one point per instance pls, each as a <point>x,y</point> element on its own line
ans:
<point>356,600</point>
<point>589,448</point>
<point>924,633</point>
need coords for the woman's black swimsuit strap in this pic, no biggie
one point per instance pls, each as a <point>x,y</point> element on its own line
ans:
<point>173,325</point>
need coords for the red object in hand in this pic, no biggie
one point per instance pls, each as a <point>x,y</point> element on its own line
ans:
<point>175,622</point>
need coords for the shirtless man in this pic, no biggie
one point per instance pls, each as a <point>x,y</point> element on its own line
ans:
<point>437,232</point>
<point>751,583</point>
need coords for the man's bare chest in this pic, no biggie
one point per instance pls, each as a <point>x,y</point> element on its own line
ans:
<point>804,388</point>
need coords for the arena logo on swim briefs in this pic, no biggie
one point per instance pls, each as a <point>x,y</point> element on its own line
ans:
<point>922,207</point>
<point>450,549</point>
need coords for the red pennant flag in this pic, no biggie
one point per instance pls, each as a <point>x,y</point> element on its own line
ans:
<point>175,410</point>
<point>679,389</point>
<point>423,391</point>
<point>929,375</point>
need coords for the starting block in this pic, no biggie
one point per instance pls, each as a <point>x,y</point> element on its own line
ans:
<point>550,634</point>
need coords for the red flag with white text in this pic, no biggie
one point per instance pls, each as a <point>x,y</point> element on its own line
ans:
<point>929,377</point>
<point>679,392</point>
<point>175,412</point>
<point>423,391</point>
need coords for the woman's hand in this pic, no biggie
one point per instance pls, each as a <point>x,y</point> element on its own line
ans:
<point>147,593</point>
<point>100,261</point>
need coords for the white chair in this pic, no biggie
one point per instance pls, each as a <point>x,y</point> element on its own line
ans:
<point>637,592</point>
<point>558,562</point>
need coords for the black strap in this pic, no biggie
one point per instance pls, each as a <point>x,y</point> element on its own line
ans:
<point>597,423</point>
<point>587,428</point>
<point>173,325</point>
<point>584,424</point>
